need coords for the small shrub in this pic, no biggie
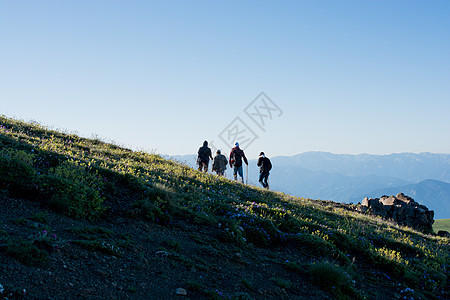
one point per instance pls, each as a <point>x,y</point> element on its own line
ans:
<point>46,241</point>
<point>389,261</point>
<point>261,232</point>
<point>20,221</point>
<point>17,162</point>
<point>154,210</point>
<point>125,241</point>
<point>26,252</point>
<point>157,204</point>
<point>289,224</point>
<point>430,280</point>
<point>294,266</point>
<point>282,283</point>
<point>411,278</point>
<point>195,286</point>
<point>232,232</point>
<point>312,242</point>
<point>247,284</point>
<point>77,191</point>
<point>172,245</point>
<point>223,209</point>
<point>41,217</point>
<point>100,246</point>
<point>328,276</point>
<point>17,173</point>
<point>204,240</point>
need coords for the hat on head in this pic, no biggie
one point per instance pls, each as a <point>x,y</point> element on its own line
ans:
<point>262,153</point>
<point>236,144</point>
<point>218,151</point>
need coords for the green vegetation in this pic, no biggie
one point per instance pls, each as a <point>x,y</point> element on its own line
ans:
<point>443,224</point>
<point>32,250</point>
<point>96,239</point>
<point>84,179</point>
<point>26,252</point>
<point>333,278</point>
<point>282,283</point>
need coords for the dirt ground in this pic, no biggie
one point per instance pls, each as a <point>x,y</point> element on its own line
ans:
<point>149,261</point>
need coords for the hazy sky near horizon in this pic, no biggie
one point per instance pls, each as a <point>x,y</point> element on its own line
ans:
<point>284,77</point>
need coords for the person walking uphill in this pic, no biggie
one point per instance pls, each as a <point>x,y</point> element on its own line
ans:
<point>204,154</point>
<point>220,163</point>
<point>265,166</point>
<point>236,157</point>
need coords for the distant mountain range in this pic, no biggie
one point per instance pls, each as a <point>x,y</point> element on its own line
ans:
<point>349,178</point>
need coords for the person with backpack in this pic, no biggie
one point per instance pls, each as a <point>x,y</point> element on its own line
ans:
<point>236,157</point>
<point>220,163</point>
<point>204,154</point>
<point>265,166</point>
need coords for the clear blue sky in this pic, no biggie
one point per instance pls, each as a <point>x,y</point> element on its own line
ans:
<point>163,76</point>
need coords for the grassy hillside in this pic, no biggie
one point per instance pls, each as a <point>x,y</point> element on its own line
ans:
<point>89,219</point>
<point>443,224</point>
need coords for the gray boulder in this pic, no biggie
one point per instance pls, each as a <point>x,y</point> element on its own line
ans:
<point>401,209</point>
<point>443,233</point>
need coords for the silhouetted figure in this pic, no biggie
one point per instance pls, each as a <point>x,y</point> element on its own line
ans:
<point>220,163</point>
<point>265,166</point>
<point>236,157</point>
<point>204,154</point>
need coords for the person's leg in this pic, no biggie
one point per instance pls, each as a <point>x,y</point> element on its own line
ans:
<point>241,173</point>
<point>235,170</point>
<point>203,167</point>
<point>266,177</point>
<point>261,177</point>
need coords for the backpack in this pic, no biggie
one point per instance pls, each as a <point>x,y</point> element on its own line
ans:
<point>203,154</point>
<point>267,165</point>
<point>220,162</point>
<point>236,158</point>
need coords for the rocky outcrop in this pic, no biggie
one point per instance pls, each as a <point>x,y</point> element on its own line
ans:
<point>443,233</point>
<point>401,209</point>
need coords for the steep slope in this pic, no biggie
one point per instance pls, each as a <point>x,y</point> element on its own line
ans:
<point>86,219</point>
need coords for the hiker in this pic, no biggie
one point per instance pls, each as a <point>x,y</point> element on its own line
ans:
<point>220,163</point>
<point>236,156</point>
<point>265,166</point>
<point>204,154</point>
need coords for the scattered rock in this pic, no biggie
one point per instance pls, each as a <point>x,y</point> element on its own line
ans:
<point>181,292</point>
<point>101,273</point>
<point>401,209</point>
<point>443,233</point>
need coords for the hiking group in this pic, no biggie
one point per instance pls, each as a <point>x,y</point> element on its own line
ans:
<point>236,160</point>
